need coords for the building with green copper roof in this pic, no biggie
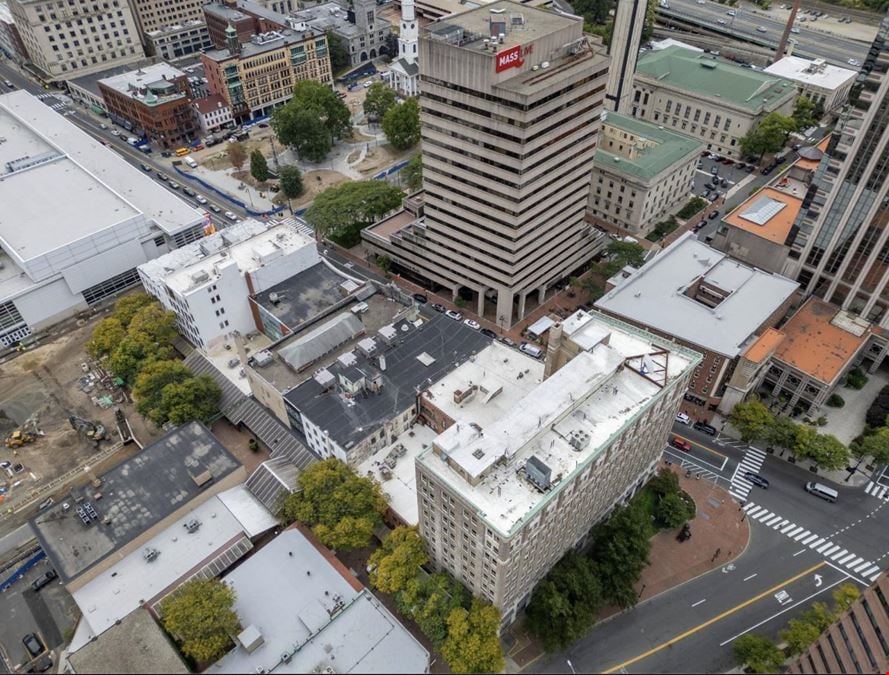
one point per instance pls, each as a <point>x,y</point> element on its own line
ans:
<point>707,98</point>
<point>642,173</point>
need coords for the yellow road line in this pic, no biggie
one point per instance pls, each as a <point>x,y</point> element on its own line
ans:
<point>700,445</point>
<point>710,622</point>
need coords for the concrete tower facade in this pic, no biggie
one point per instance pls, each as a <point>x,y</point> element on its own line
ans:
<point>629,18</point>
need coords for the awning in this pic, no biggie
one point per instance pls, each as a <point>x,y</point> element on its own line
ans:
<point>540,326</point>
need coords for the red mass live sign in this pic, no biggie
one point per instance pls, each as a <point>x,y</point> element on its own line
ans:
<point>510,58</point>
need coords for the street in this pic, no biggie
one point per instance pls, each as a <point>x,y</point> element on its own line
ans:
<point>810,42</point>
<point>801,547</point>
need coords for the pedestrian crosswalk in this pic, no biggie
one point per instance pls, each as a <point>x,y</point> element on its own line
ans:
<point>824,546</point>
<point>752,462</point>
<point>877,490</point>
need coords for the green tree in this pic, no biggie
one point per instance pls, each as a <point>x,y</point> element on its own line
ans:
<point>339,53</point>
<point>620,550</point>
<point>236,154</point>
<point>752,419</point>
<point>398,560</point>
<point>769,135</point>
<point>311,120</point>
<point>619,254</point>
<point>196,398</point>
<point>259,168</point>
<point>802,632</point>
<point>342,211</point>
<point>106,336</point>
<point>650,16</point>
<point>127,307</point>
<point>782,432</point>
<point>292,181</point>
<point>473,642</point>
<point>341,507</point>
<point>594,11</point>
<point>150,383</point>
<point>564,605</point>
<point>843,597</point>
<point>429,600</point>
<point>673,510</point>
<point>378,100</point>
<point>149,337</point>
<point>665,483</point>
<point>758,653</point>
<point>201,616</point>
<point>413,173</point>
<point>874,445</point>
<point>804,113</point>
<point>401,124</point>
<point>154,324</point>
<point>829,452</point>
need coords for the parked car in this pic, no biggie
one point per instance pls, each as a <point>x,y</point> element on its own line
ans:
<point>44,579</point>
<point>487,332</point>
<point>115,132</point>
<point>215,209</point>
<point>709,186</point>
<point>437,307</point>
<point>507,342</point>
<point>201,199</point>
<point>174,185</point>
<point>33,644</point>
<point>699,226</point>
<point>680,444</point>
<point>145,167</point>
<point>231,216</point>
<point>757,480</point>
<point>18,468</point>
<point>713,214</point>
<point>682,418</point>
<point>474,325</point>
<point>189,192</point>
<point>162,176</point>
<point>456,316</point>
<point>531,350</point>
<point>103,126</point>
<point>762,29</point>
<point>714,170</point>
<point>705,428</point>
<point>419,297</point>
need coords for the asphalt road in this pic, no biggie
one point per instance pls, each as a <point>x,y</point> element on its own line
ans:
<point>835,49</point>
<point>800,548</point>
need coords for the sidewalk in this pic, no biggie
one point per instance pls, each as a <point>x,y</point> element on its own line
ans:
<point>719,535</point>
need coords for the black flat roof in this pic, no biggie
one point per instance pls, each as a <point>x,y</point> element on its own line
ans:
<point>304,296</point>
<point>135,495</point>
<point>348,421</point>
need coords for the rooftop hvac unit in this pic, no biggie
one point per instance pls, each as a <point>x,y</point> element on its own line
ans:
<point>538,473</point>
<point>579,439</point>
<point>150,554</point>
<point>192,525</point>
<point>263,358</point>
<point>200,277</point>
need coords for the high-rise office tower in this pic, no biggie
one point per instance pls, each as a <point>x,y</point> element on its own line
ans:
<point>841,249</point>
<point>629,18</point>
<point>510,104</point>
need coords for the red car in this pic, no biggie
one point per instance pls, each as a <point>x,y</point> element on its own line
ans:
<point>681,444</point>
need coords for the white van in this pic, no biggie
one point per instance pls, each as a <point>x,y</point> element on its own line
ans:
<point>193,164</point>
<point>132,140</point>
<point>822,491</point>
<point>531,350</point>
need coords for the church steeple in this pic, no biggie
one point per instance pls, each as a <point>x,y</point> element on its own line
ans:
<point>407,38</point>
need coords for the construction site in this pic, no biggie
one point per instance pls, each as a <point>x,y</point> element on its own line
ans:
<point>60,416</point>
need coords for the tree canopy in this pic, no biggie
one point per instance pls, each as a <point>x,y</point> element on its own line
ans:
<point>107,335</point>
<point>782,432</point>
<point>378,100</point>
<point>292,181</point>
<point>341,507</point>
<point>259,168</point>
<point>619,254</point>
<point>804,113</point>
<point>149,337</point>
<point>196,398</point>
<point>620,551</point>
<point>769,135</point>
<point>236,154</point>
<point>758,653</point>
<point>398,560</point>
<point>150,383</point>
<point>473,641</point>
<point>342,211</point>
<point>564,605</point>
<point>413,173</point>
<point>339,53</point>
<point>429,600</point>
<point>752,419</point>
<point>201,616</point>
<point>401,124</point>
<point>311,121</point>
<point>878,410</point>
<point>127,306</point>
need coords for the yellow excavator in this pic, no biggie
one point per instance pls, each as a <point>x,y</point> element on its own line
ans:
<point>18,438</point>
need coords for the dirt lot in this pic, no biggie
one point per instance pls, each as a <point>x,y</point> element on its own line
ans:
<point>380,157</point>
<point>315,182</point>
<point>45,382</point>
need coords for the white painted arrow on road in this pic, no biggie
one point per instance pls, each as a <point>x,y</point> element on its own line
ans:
<point>817,580</point>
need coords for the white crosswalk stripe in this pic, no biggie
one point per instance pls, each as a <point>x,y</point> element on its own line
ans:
<point>827,548</point>
<point>751,462</point>
<point>878,491</point>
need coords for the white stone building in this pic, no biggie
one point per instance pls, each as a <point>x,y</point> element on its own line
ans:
<point>212,112</point>
<point>820,81</point>
<point>405,77</point>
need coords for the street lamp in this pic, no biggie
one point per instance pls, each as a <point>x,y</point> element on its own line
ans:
<point>571,666</point>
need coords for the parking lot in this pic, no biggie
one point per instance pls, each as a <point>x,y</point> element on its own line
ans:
<point>49,613</point>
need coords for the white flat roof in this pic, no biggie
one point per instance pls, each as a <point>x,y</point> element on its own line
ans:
<point>130,82</point>
<point>123,587</point>
<point>400,489</point>
<point>80,188</point>
<point>249,511</point>
<point>592,397</point>
<point>655,296</point>
<point>305,607</point>
<point>825,76</point>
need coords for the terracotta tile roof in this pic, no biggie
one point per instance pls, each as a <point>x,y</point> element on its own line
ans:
<point>815,346</point>
<point>764,346</point>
